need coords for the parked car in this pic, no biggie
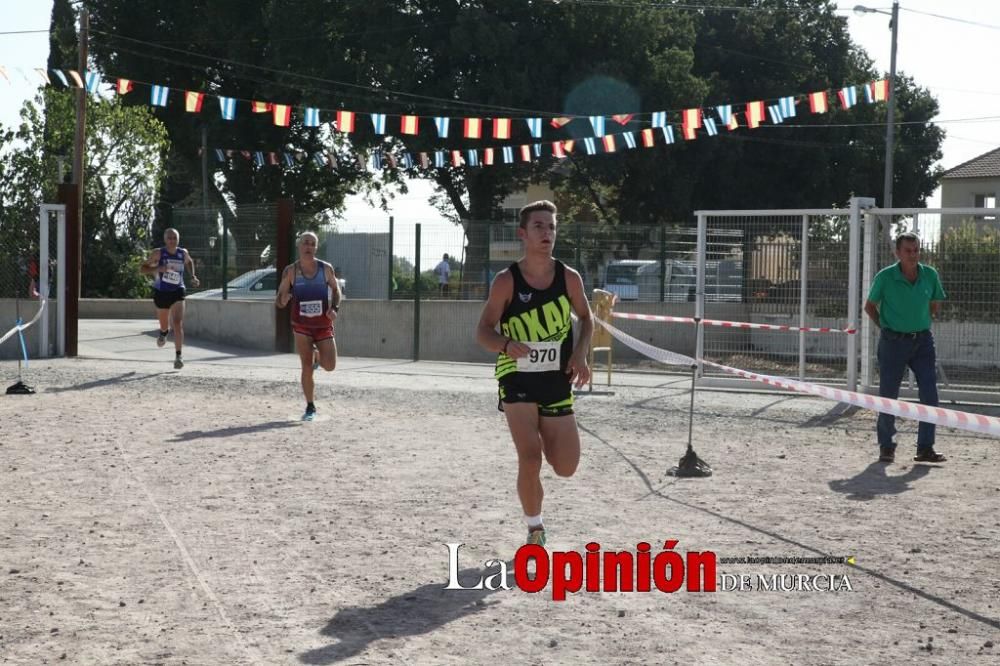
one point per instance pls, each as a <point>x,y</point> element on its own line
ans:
<point>260,284</point>
<point>639,280</point>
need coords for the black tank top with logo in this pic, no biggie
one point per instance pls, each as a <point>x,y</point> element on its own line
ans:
<point>537,315</point>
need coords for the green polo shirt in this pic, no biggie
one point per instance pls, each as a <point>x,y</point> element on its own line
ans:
<point>903,306</point>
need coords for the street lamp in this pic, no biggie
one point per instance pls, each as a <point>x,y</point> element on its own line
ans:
<point>890,128</point>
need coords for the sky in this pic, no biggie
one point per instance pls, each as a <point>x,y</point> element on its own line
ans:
<point>955,60</point>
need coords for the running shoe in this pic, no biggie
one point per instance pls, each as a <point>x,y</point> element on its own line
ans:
<point>178,363</point>
<point>309,415</point>
<point>536,537</point>
<point>161,339</point>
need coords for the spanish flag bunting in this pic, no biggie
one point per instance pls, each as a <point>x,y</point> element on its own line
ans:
<point>647,138</point>
<point>691,120</point>
<point>282,115</point>
<point>409,125</point>
<point>568,145</point>
<point>733,123</point>
<point>456,158</point>
<point>526,153</point>
<point>557,149</point>
<point>880,90</point>
<point>260,107</point>
<point>755,114</point>
<point>473,128</point>
<point>192,101</point>
<point>609,143</point>
<point>818,103</point>
<point>501,128</point>
<point>345,121</point>
<point>623,118</point>
<point>559,122</point>
<point>488,156</point>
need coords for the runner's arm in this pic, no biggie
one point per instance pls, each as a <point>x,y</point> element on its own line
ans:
<point>189,261</point>
<point>334,284</point>
<point>578,369</point>
<point>151,265</point>
<point>501,291</point>
<point>285,287</point>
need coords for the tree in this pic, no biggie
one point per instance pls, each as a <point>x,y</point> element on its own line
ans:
<point>122,171</point>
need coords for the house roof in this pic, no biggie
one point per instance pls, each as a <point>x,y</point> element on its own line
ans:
<point>986,165</point>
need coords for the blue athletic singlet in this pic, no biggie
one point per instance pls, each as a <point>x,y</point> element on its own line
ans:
<point>173,279</point>
<point>311,298</point>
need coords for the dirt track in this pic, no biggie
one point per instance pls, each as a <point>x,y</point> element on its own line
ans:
<point>151,516</point>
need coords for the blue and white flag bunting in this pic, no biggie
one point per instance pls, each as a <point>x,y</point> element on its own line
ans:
<point>775,111</point>
<point>848,96</point>
<point>508,154</point>
<point>319,158</point>
<point>377,160</point>
<point>93,82</point>
<point>598,124</point>
<point>710,126</point>
<point>440,161</point>
<point>659,119</point>
<point>537,149</point>
<point>535,127</point>
<point>472,158</point>
<point>311,117</point>
<point>725,112</point>
<point>407,160</point>
<point>158,96</point>
<point>219,155</point>
<point>590,145</point>
<point>378,122</point>
<point>869,94</point>
<point>442,126</point>
<point>259,158</point>
<point>668,133</point>
<point>629,138</point>
<point>787,107</point>
<point>62,77</point>
<point>227,106</point>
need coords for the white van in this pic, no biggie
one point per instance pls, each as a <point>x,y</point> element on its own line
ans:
<point>639,280</point>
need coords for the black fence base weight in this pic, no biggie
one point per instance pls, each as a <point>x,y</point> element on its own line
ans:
<point>20,388</point>
<point>691,465</point>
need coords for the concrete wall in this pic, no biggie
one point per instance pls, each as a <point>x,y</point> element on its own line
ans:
<point>247,324</point>
<point>11,350</point>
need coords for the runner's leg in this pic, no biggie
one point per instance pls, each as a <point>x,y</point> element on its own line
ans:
<point>304,348</point>
<point>561,443</point>
<point>177,320</point>
<point>522,419</point>
<point>327,354</point>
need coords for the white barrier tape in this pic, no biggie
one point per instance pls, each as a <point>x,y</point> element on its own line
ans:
<point>733,324</point>
<point>655,353</point>
<point>950,418</point>
<point>24,327</point>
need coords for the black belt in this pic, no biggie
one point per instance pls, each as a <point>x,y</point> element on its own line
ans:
<point>912,336</point>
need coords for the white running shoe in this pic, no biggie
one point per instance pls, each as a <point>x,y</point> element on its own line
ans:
<point>178,363</point>
<point>161,339</point>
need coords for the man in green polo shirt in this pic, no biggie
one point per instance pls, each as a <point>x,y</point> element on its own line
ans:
<point>901,301</point>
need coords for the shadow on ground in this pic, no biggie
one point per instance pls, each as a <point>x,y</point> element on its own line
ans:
<point>192,435</point>
<point>874,481</point>
<point>420,611</point>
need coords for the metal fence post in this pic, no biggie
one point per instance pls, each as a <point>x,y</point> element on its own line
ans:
<point>870,263</point>
<point>663,261</point>
<point>392,279</point>
<point>416,298</point>
<point>853,279</point>
<point>699,304</point>
<point>225,256</point>
<point>803,288</point>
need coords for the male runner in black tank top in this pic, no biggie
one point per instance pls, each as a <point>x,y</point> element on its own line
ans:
<point>537,362</point>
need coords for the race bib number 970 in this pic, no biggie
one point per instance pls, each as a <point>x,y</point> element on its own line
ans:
<point>543,357</point>
<point>311,308</point>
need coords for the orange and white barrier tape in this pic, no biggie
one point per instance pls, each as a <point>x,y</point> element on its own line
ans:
<point>732,324</point>
<point>950,418</point>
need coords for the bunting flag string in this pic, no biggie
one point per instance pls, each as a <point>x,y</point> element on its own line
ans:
<point>689,120</point>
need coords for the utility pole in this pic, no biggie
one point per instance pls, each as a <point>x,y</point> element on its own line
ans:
<point>890,135</point>
<point>80,136</point>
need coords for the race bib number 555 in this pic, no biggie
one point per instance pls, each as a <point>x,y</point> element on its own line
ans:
<point>543,357</point>
<point>311,308</point>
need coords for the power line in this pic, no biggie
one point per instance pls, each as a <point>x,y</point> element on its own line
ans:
<point>687,7</point>
<point>23,32</point>
<point>956,19</point>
